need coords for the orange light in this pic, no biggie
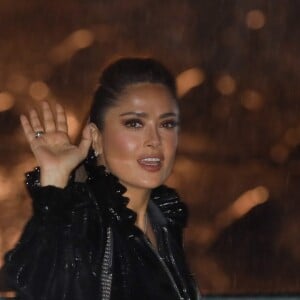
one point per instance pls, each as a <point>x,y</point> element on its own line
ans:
<point>77,40</point>
<point>255,19</point>
<point>38,90</point>
<point>82,38</point>
<point>226,84</point>
<point>7,101</point>
<point>74,125</point>
<point>188,80</point>
<point>247,201</point>
<point>252,100</point>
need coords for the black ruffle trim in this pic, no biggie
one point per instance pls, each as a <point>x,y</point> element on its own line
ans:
<point>171,206</point>
<point>110,196</point>
<point>111,192</point>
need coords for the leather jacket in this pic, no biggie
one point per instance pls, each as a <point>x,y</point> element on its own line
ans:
<point>81,243</point>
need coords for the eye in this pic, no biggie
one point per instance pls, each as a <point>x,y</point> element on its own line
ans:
<point>169,124</point>
<point>133,123</point>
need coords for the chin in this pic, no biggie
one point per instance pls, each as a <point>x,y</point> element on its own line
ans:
<point>139,183</point>
<point>139,178</point>
<point>150,183</point>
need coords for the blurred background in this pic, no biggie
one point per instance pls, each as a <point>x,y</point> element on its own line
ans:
<point>237,64</point>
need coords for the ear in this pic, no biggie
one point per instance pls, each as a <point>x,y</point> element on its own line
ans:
<point>96,139</point>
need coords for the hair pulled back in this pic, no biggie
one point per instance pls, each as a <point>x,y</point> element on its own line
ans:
<point>120,75</point>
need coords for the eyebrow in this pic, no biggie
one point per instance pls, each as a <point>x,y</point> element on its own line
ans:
<point>144,115</point>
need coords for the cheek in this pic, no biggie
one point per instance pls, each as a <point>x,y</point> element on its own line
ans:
<point>171,143</point>
<point>119,143</point>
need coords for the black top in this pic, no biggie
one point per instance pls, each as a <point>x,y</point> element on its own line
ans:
<point>81,243</point>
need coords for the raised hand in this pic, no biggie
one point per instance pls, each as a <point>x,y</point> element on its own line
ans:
<point>51,145</point>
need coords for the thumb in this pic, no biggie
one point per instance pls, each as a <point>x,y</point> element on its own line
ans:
<point>86,141</point>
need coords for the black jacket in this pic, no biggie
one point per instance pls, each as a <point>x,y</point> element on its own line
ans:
<point>81,243</point>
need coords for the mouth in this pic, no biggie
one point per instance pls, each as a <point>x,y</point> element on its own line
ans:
<point>151,163</point>
<point>150,160</point>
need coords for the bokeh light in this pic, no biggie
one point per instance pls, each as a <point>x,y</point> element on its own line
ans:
<point>188,80</point>
<point>74,125</point>
<point>240,118</point>
<point>252,100</point>
<point>255,19</point>
<point>226,84</point>
<point>82,38</point>
<point>7,100</point>
<point>38,90</point>
<point>77,40</point>
<point>247,201</point>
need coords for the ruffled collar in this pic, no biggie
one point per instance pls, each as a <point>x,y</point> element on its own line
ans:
<point>109,195</point>
<point>110,192</point>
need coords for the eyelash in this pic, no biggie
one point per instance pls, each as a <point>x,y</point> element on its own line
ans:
<point>133,123</point>
<point>136,123</point>
<point>169,124</point>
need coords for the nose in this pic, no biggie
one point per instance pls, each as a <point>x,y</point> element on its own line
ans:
<point>153,138</point>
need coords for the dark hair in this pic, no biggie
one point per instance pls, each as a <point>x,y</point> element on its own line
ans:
<point>123,73</point>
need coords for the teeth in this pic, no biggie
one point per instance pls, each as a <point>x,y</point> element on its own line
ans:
<point>151,159</point>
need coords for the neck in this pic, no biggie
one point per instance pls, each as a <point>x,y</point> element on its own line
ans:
<point>138,202</point>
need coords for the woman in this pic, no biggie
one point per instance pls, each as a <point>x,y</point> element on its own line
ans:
<point>117,235</point>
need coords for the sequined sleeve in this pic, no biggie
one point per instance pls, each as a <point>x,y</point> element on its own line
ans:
<point>56,256</point>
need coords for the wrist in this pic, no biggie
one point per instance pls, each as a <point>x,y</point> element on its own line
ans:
<point>54,177</point>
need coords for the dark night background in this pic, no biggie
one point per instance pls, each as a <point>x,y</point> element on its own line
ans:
<point>237,63</point>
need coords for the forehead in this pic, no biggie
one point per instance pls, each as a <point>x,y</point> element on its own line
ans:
<point>147,97</point>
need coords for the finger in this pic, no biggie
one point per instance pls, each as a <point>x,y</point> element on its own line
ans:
<point>61,120</point>
<point>28,131</point>
<point>35,121</point>
<point>48,118</point>
<point>85,142</point>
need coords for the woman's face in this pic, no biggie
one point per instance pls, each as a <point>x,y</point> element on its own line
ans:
<point>139,139</point>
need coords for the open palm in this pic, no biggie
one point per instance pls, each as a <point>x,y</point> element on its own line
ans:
<point>53,149</point>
